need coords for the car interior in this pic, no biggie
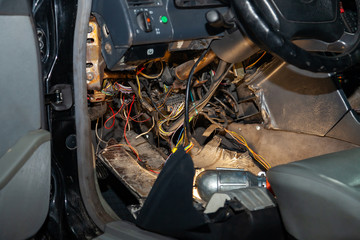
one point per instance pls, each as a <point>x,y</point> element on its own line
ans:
<point>186,119</point>
<point>233,84</point>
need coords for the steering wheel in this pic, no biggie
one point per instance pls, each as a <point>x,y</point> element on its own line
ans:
<point>316,25</point>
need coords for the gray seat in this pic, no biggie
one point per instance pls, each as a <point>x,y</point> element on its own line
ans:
<point>319,198</point>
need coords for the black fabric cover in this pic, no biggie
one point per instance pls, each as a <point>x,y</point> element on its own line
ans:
<point>169,207</point>
<point>169,210</point>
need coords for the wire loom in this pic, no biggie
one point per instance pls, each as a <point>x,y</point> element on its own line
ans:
<point>168,125</point>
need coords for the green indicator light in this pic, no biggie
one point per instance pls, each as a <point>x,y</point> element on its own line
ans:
<point>164,19</point>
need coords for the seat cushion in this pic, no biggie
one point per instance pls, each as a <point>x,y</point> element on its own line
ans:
<point>319,198</point>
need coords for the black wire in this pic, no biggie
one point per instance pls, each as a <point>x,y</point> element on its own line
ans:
<point>187,96</point>
<point>148,91</point>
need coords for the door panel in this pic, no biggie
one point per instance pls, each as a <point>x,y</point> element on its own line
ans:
<point>20,96</point>
<point>24,147</point>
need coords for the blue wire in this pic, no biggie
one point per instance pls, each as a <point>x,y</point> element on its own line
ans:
<point>180,135</point>
<point>192,99</point>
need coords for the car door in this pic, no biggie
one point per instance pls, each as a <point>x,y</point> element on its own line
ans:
<point>24,143</point>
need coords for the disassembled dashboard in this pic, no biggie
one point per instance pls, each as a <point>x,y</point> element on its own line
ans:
<point>146,68</point>
<point>157,81</point>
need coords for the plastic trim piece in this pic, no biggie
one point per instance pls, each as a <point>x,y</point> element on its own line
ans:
<point>16,156</point>
<point>86,165</point>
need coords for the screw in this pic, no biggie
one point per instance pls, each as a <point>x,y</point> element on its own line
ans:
<point>108,48</point>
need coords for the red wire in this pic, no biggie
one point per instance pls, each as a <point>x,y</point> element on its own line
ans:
<point>114,114</point>
<point>127,122</point>
<point>189,149</point>
<point>110,118</point>
<point>138,72</point>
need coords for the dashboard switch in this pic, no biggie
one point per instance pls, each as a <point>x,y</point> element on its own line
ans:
<point>164,19</point>
<point>144,21</point>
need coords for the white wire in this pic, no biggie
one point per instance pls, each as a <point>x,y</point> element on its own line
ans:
<point>153,125</point>
<point>97,136</point>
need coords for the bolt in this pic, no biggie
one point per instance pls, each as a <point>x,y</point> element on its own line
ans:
<point>89,76</point>
<point>258,128</point>
<point>90,29</point>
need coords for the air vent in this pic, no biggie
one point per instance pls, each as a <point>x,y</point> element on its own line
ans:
<point>142,3</point>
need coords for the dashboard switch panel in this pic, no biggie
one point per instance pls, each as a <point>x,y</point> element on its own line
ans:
<point>144,21</point>
<point>129,24</point>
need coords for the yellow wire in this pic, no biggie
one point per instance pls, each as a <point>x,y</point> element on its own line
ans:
<point>187,148</point>
<point>172,116</point>
<point>251,65</point>
<point>138,83</point>
<point>191,146</point>
<point>153,77</point>
<point>165,98</point>
<point>240,139</point>
<point>147,76</point>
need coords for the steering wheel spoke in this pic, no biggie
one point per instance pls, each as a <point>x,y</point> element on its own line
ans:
<point>344,44</point>
<point>296,30</point>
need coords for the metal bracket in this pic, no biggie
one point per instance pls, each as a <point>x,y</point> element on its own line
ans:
<point>60,97</point>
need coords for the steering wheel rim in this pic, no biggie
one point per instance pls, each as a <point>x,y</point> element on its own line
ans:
<point>260,31</point>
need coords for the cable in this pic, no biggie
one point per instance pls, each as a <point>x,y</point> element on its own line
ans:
<point>113,116</point>
<point>96,132</point>
<point>188,148</point>
<point>113,122</point>
<point>139,87</point>
<point>220,102</point>
<point>134,151</point>
<point>153,125</point>
<point>172,116</point>
<point>187,96</point>
<point>221,72</point>
<point>152,77</point>
<point>140,121</point>
<point>152,101</point>
<point>251,65</point>
<point>127,122</point>
<point>111,89</point>
<point>97,135</point>
<point>167,95</point>
<point>241,140</point>
<point>179,136</point>
<point>119,145</point>
<point>178,143</point>
<point>123,89</point>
